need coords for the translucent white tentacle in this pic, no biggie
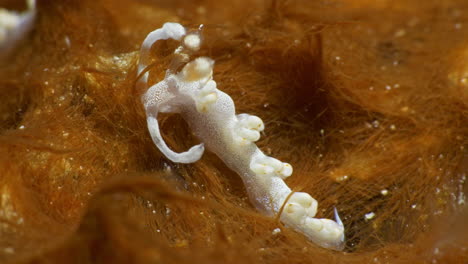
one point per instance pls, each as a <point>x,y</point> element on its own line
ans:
<point>14,26</point>
<point>190,156</point>
<point>168,31</point>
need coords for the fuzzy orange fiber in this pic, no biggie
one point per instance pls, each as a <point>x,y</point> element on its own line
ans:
<point>368,100</point>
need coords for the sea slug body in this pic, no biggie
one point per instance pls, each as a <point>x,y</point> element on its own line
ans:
<point>211,115</point>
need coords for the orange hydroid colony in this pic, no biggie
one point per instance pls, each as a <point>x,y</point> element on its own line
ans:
<point>366,100</point>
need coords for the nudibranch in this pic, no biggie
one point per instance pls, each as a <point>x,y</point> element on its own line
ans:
<point>13,26</point>
<point>210,113</point>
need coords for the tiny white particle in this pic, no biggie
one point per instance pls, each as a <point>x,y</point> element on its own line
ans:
<point>384,192</point>
<point>369,216</point>
<point>343,178</point>
<point>21,127</point>
<point>375,123</point>
<point>67,41</point>
<point>276,231</point>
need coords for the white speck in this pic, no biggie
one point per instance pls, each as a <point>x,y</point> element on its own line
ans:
<point>167,167</point>
<point>461,198</point>
<point>21,127</point>
<point>159,231</point>
<point>369,216</point>
<point>396,85</point>
<point>337,58</point>
<point>384,192</point>
<point>168,211</point>
<point>322,132</point>
<point>375,123</point>
<point>67,41</point>
<point>414,206</point>
<point>154,212</point>
<point>388,87</point>
<point>276,231</point>
<point>343,178</point>
<point>436,251</point>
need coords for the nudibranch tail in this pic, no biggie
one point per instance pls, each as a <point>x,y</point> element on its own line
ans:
<point>210,113</point>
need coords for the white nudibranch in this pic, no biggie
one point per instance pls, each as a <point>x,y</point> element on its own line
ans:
<point>13,26</point>
<point>210,113</point>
